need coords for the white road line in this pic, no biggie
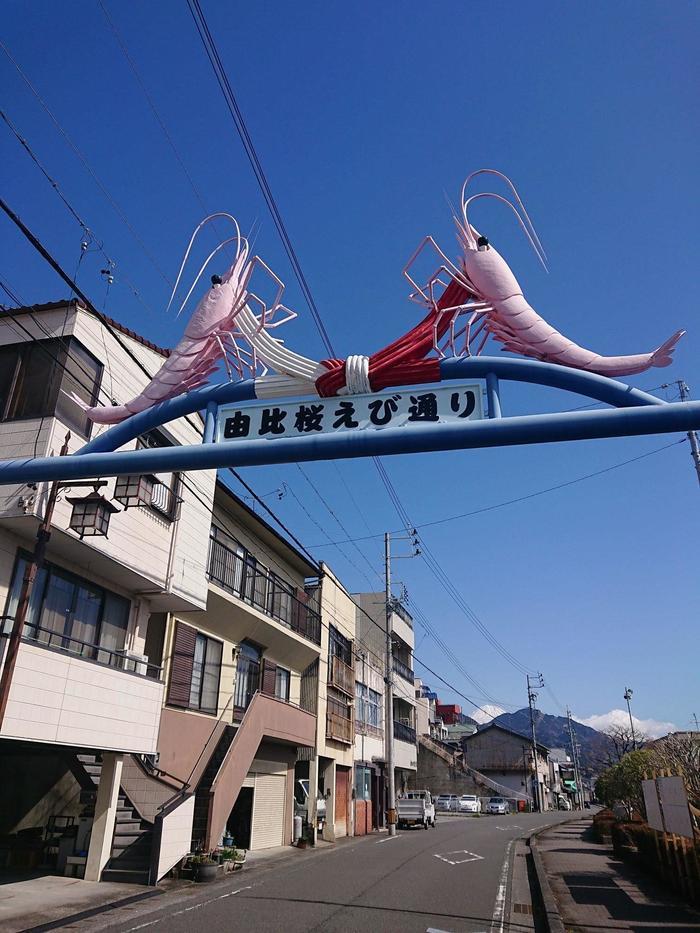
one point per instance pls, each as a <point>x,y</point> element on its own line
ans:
<point>185,910</point>
<point>499,908</point>
<point>473,857</point>
<point>387,839</point>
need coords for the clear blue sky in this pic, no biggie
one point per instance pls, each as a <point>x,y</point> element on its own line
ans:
<point>365,117</point>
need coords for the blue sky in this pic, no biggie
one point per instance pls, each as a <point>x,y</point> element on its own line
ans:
<point>366,118</point>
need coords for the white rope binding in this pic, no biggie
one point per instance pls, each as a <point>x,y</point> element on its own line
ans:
<point>356,376</point>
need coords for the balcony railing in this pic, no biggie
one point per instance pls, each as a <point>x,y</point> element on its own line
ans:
<point>341,675</point>
<point>404,733</point>
<point>339,728</point>
<point>57,641</point>
<point>243,578</point>
<point>402,612</point>
<point>403,670</point>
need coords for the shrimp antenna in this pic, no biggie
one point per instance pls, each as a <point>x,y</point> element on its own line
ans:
<point>241,242</point>
<point>499,197</point>
<point>194,237</point>
<point>493,171</point>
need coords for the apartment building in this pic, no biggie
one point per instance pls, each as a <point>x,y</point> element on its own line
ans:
<point>371,631</point>
<point>85,694</point>
<point>167,680</point>
<point>370,748</point>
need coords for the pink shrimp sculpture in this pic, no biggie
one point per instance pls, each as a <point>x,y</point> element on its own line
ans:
<point>512,321</point>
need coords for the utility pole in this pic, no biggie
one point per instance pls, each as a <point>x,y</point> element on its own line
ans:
<point>575,760</point>
<point>684,393</point>
<point>389,682</point>
<point>30,571</point>
<point>531,697</point>
<point>628,697</point>
<point>695,717</point>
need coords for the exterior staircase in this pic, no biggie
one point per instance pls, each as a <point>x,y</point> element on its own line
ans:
<point>481,781</point>
<point>202,800</point>
<point>133,837</point>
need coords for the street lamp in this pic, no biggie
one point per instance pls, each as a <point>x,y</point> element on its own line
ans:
<point>91,513</point>
<point>628,697</point>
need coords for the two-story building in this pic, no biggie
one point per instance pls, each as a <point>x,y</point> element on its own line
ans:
<point>505,757</point>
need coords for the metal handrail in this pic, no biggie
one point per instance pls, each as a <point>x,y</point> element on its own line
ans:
<point>58,641</point>
<point>242,577</point>
<point>401,611</point>
<point>404,733</point>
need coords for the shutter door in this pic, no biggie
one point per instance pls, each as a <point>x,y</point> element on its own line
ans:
<point>341,802</point>
<point>268,678</point>
<point>181,665</point>
<point>268,811</point>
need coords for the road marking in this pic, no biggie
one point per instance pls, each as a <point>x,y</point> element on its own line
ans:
<point>499,908</point>
<point>185,910</point>
<point>387,839</point>
<point>472,857</point>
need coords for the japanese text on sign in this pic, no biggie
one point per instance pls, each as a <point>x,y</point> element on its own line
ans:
<point>350,413</point>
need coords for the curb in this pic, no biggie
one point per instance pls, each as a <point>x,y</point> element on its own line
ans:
<point>551,911</point>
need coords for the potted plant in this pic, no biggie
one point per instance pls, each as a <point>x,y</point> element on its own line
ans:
<point>204,868</point>
<point>238,858</point>
<point>227,857</point>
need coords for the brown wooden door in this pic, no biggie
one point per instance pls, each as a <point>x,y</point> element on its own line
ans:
<point>341,801</point>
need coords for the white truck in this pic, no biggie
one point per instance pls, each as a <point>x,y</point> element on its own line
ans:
<point>416,808</point>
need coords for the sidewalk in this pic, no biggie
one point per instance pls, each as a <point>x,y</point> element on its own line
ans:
<point>595,891</point>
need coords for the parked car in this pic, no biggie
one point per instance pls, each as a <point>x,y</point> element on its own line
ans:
<point>447,802</point>
<point>469,803</point>
<point>498,805</point>
<point>416,809</point>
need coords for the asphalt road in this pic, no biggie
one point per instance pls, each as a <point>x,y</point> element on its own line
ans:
<point>451,878</point>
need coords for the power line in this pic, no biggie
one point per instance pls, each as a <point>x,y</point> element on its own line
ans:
<point>210,48</point>
<point>125,220</point>
<point>532,495</point>
<point>88,233</point>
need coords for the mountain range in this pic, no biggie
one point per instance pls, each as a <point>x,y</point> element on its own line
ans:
<point>553,731</point>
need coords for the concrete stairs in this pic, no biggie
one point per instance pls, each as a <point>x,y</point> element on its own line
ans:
<point>133,837</point>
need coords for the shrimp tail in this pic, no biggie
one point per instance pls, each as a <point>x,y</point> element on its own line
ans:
<point>663,356</point>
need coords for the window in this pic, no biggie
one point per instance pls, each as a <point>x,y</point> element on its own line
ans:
<point>206,672</point>
<point>339,646</point>
<point>39,379</point>
<point>282,680</point>
<point>165,497</point>
<point>247,674</point>
<point>368,707</point>
<point>68,612</point>
<point>363,783</point>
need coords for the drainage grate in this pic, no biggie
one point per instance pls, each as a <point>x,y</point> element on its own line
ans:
<point>522,908</point>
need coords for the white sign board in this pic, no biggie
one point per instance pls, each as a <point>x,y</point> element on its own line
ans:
<point>417,408</point>
<point>651,805</point>
<point>674,806</point>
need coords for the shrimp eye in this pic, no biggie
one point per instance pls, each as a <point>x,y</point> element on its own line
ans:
<point>482,243</point>
<point>216,280</point>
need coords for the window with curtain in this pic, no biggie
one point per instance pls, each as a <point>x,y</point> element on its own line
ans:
<point>206,674</point>
<point>39,378</point>
<point>282,681</point>
<point>67,611</point>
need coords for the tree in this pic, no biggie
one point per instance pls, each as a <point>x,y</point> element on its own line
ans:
<point>622,781</point>
<point>679,754</point>
<point>619,741</point>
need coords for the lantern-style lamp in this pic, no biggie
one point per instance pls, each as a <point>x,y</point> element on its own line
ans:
<point>134,490</point>
<point>91,514</point>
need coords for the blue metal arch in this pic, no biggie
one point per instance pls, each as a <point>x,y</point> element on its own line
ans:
<point>637,413</point>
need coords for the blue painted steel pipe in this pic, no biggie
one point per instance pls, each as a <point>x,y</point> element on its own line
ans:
<point>417,438</point>
<point>599,388</point>
<point>493,396</point>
